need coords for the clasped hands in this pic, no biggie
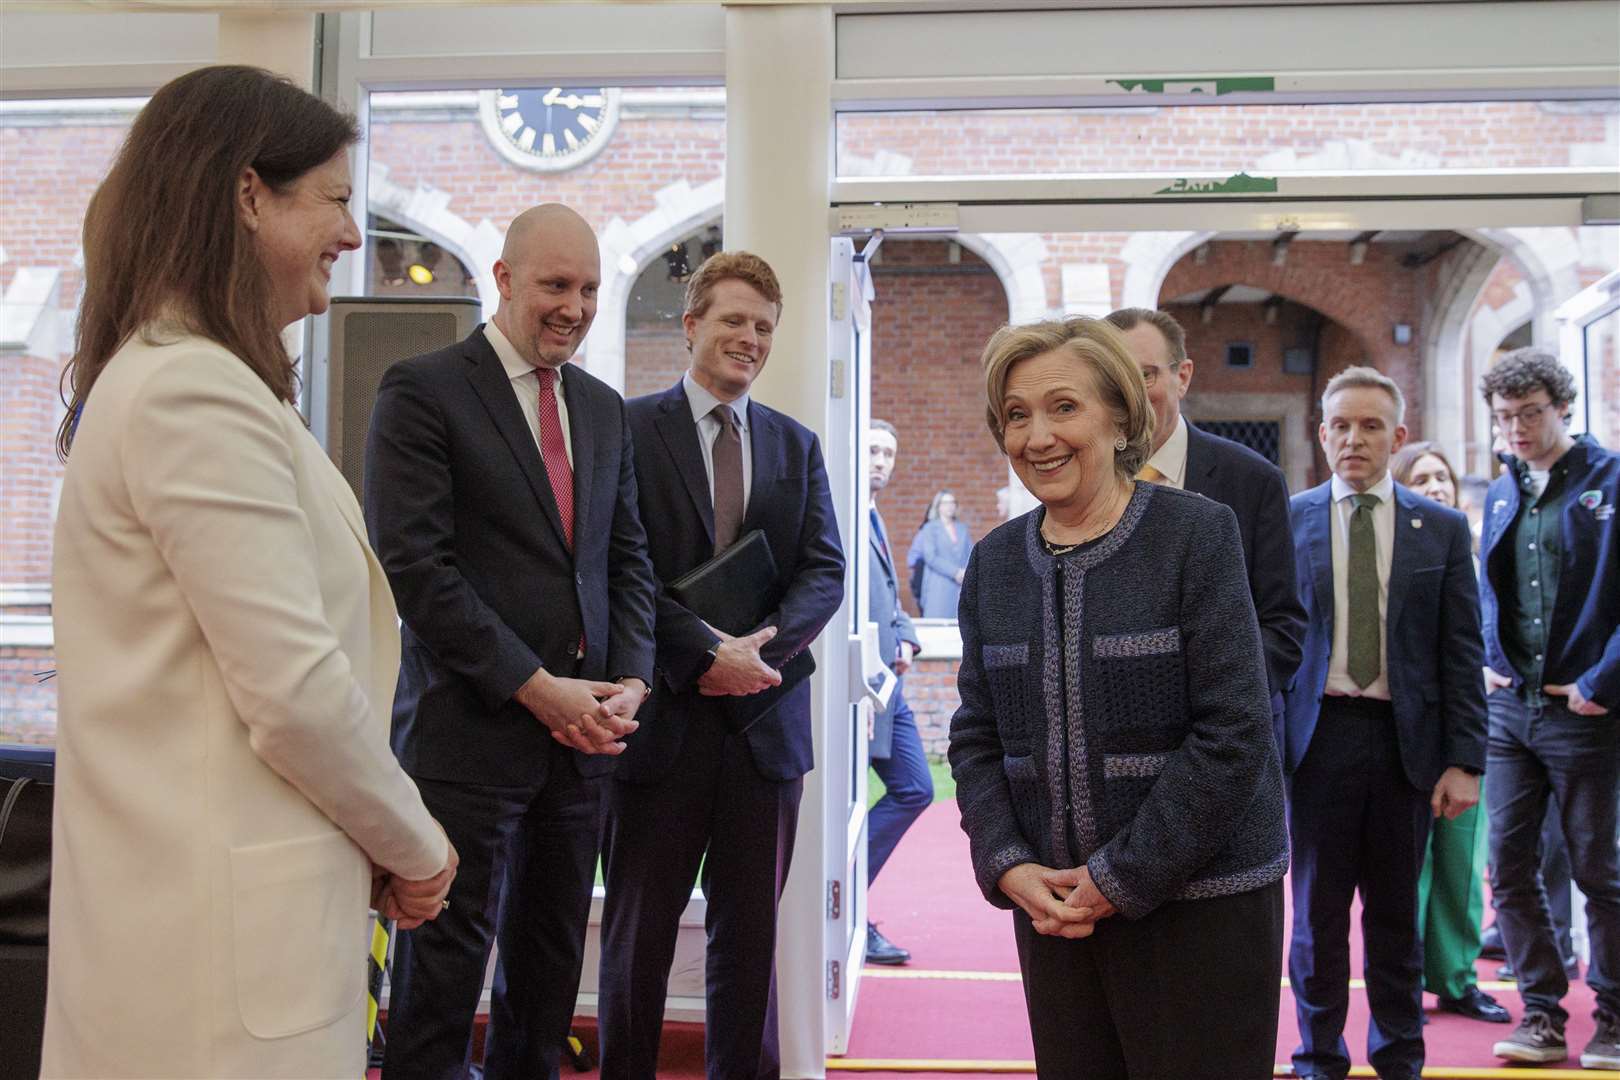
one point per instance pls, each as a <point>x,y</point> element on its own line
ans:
<point>411,903</point>
<point>590,716</point>
<point>1060,903</point>
<point>737,670</point>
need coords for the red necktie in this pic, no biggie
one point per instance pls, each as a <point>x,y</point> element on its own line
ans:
<point>554,452</point>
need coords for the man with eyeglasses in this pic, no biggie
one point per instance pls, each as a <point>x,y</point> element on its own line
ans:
<point>1229,473</point>
<point>1550,603</point>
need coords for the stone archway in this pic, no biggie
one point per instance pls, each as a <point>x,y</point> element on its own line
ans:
<point>427,210</point>
<point>627,249</point>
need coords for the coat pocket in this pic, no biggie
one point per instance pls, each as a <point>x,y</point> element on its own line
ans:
<point>299,916</point>
<point>1141,683</point>
<point>1006,668</point>
<point>1024,784</point>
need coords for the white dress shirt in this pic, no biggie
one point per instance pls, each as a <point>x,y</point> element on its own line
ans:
<point>1338,678</point>
<point>703,403</point>
<point>526,387</point>
<point>1171,458</point>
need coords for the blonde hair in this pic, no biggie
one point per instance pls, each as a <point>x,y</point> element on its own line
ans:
<point>1098,348</point>
<point>1368,378</point>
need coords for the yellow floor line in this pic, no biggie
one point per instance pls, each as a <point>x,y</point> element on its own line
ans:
<point>1012,976</point>
<point>1433,1072</point>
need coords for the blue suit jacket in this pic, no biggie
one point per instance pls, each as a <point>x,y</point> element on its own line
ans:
<point>463,520</point>
<point>1584,636</point>
<point>790,500</point>
<point>894,626</point>
<point>1431,634</point>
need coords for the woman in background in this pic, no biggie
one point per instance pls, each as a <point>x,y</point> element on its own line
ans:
<point>227,806</point>
<point>1451,889</point>
<point>941,548</point>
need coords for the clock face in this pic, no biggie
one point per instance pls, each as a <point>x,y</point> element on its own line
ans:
<point>550,127</point>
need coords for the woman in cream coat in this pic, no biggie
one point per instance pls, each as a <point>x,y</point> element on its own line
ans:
<point>226,800</point>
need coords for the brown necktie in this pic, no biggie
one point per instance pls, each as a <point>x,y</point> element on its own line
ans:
<point>728,479</point>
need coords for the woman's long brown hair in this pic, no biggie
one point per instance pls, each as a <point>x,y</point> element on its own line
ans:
<point>163,236</point>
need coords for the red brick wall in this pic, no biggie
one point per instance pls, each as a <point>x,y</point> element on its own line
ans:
<point>28,417</point>
<point>27,706</point>
<point>1366,301</point>
<point>931,693</point>
<point>1158,138</point>
<point>930,321</point>
<point>646,152</point>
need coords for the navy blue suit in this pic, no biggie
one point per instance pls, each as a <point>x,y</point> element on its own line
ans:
<point>896,747</point>
<point>1361,773</point>
<point>687,786</point>
<point>462,515</point>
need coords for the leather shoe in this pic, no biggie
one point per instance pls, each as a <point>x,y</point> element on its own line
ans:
<point>1476,1004</point>
<point>880,950</point>
<point>1490,944</point>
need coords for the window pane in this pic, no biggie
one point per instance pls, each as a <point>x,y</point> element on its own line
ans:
<point>1222,140</point>
<point>449,170</point>
<point>54,153</point>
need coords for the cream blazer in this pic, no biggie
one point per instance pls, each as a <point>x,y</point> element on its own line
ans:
<point>227,649</point>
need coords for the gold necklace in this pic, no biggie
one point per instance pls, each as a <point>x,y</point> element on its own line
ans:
<point>1054,548</point>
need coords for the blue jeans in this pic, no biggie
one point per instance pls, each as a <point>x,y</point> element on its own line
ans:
<point>910,789</point>
<point>1539,753</point>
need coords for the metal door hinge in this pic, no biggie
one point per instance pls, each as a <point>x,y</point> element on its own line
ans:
<point>834,988</point>
<point>835,899</point>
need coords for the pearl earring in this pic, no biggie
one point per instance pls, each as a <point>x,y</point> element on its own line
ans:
<point>1120,444</point>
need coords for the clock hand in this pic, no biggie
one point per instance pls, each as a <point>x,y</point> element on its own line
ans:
<point>552,96</point>
<point>572,101</point>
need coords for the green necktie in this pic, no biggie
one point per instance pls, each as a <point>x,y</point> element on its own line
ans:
<point>1363,579</point>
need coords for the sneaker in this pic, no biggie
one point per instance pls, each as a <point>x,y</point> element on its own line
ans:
<point>1538,1040</point>
<point>1603,1052</point>
<point>880,950</point>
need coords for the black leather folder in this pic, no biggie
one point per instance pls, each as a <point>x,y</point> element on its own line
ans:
<point>736,591</point>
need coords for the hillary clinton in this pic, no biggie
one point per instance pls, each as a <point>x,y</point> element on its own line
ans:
<point>1113,750</point>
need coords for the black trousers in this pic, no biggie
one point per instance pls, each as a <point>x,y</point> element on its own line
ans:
<point>528,865</point>
<point>1357,824</point>
<point>1539,755</point>
<point>1189,992</point>
<point>715,808</point>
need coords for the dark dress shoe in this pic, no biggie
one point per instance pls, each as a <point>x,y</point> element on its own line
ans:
<point>1490,945</point>
<point>1476,1004</point>
<point>880,950</point>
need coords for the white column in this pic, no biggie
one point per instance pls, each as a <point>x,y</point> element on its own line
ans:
<point>282,41</point>
<point>779,69</point>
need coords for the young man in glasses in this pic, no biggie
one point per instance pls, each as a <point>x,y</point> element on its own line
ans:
<point>1549,580</point>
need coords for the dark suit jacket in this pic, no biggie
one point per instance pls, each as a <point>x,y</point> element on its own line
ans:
<point>462,517</point>
<point>894,626</point>
<point>791,501</point>
<point>1254,488</point>
<point>1431,634</point>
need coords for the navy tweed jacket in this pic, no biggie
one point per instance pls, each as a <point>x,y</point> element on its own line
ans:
<point>1115,710</point>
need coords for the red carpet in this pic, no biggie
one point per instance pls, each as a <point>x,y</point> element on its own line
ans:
<point>926,901</point>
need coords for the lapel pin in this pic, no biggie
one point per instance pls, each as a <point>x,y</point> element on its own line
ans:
<point>1417,523</point>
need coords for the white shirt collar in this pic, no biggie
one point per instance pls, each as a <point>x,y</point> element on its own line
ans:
<point>1171,458</point>
<point>516,367</point>
<point>702,402</point>
<point>1384,489</point>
